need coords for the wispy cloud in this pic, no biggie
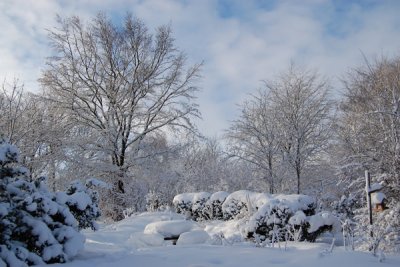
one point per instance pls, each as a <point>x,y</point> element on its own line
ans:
<point>241,42</point>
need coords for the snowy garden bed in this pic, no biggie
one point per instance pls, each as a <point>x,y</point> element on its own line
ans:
<point>260,216</point>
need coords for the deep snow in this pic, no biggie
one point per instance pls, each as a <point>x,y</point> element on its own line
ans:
<point>125,244</point>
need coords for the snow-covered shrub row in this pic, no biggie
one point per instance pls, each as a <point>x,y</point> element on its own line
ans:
<point>38,226</point>
<point>243,202</point>
<point>272,217</point>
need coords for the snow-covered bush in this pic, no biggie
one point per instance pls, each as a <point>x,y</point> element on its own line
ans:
<point>183,203</point>
<point>385,231</point>
<point>281,214</point>
<point>82,202</point>
<point>36,227</point>
<point>199,201</point>
<point>213,207</point>
<point>319,223</point>
<point>191,204</point>
<point>270,220</point>
<point>236,203</point>
<point>345,207</point>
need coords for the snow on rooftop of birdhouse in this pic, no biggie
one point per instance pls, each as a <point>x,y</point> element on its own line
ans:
<point>377,198</point>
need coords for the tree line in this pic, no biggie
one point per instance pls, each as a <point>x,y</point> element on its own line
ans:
<point>118,102</point>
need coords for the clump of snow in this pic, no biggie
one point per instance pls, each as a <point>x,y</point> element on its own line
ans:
<point>171,228</point>
<point>8,153</point>
<point>80,199</point>
<point>183,198</point>
<point>193,237</point>
<point>201,196</point>
<point>298,218</point>
<point>296,202</point>
<point>324,218</point>
<point>219,196</point>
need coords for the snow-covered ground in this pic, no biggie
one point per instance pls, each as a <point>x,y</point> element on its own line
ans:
<point>126,243</point>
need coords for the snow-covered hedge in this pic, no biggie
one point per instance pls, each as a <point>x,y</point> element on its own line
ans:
<point>270,217</point>
<point>36,225</point>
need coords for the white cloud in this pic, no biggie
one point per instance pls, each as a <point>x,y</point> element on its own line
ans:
<point>239,50</point>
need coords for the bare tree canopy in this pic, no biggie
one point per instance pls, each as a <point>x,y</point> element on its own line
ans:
<point>303,112</point>
<point>369,128</point>
<point>120,83</point>
<point>285,124</point>
<point>254,136</point>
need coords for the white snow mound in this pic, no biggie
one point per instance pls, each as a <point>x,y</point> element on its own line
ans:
<point>171,228</point>
<point>193,237</point>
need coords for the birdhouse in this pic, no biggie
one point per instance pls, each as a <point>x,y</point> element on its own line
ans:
<point>378,201</point>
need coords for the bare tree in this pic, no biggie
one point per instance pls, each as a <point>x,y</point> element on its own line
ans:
<point>34,126</point>
<point>369,125</point>
<point>300,98</point>
<point>12,108</point>
<point>120,83</point>
<point>254,137</point>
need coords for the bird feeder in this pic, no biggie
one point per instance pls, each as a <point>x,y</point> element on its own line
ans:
<point>378,199</point>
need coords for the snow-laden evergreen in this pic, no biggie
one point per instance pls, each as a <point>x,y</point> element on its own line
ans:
<point>38,226</point>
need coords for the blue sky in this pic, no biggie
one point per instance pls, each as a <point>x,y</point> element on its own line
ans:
<point>241,42</point>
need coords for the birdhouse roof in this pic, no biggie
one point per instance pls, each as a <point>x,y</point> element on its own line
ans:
<point>377,198</point>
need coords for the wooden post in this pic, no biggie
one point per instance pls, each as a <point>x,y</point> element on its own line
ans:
<point>368,186</point>
<point>367,189</point>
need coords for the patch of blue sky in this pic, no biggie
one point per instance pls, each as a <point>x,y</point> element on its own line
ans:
<point>240,9</point>
<point>342,18</point>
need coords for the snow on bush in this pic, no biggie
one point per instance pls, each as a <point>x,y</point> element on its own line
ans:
<point>272,221</point>
<point>83,203</point>
<point>170,229</point>
<point>36,225</point>
<point>213,207</point>
<point>183,203</point>
<point>191,204</point>
<point>385,229</point>
<point>236,204</point>
<point>199,201</point>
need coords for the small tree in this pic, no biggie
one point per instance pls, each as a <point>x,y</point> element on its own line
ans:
<point>303,109</point>
<point>254,137</point>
